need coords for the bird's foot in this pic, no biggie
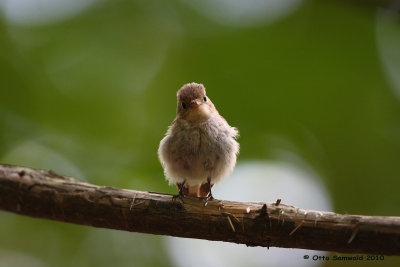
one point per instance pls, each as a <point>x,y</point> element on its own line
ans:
<point>177,196</point>
<point>180,195</point>
<point>208,198</point>
<point>209,195</point>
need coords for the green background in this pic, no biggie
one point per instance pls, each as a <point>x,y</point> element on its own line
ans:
<point>91,97</point>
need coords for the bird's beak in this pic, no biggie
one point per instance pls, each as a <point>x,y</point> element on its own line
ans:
<point>195,103</point>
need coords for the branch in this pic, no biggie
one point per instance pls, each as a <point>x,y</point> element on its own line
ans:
<point>45,194</point>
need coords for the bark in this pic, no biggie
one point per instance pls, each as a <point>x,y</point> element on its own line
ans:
<point>45,194</point>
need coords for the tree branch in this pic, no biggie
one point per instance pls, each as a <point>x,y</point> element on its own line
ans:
<point>45,194</point>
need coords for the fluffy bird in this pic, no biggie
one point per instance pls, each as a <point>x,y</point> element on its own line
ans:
<point>199,148</point>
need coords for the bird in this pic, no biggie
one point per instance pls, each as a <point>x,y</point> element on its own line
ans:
<point>200,147</point>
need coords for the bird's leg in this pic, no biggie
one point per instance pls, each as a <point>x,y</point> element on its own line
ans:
<point>181,186</point>
<point>209,195</point>
<point>180,195</point>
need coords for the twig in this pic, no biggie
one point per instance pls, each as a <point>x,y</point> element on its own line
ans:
<point>45,194</point>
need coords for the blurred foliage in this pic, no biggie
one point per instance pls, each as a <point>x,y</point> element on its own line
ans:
<point>91,96</point>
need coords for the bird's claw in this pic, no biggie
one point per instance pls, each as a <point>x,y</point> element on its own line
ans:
<point>180,194</point>
<point>177,196</point>
<point>208,198</point>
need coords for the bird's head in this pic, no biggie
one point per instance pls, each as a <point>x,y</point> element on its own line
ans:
<point>193,104</point>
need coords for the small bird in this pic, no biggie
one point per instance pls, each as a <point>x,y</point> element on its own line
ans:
<point>199,148</point>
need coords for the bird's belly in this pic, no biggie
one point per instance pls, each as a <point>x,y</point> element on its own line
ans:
<point>197,159</point>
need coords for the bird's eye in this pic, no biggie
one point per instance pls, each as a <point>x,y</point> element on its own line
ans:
<point>205,99</point>
<point>183,105</point>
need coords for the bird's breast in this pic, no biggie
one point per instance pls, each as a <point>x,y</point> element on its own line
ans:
<point>196,152</point>
<point>206,145</point>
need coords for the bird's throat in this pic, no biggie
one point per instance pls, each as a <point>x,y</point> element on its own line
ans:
<point>199,114</point>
